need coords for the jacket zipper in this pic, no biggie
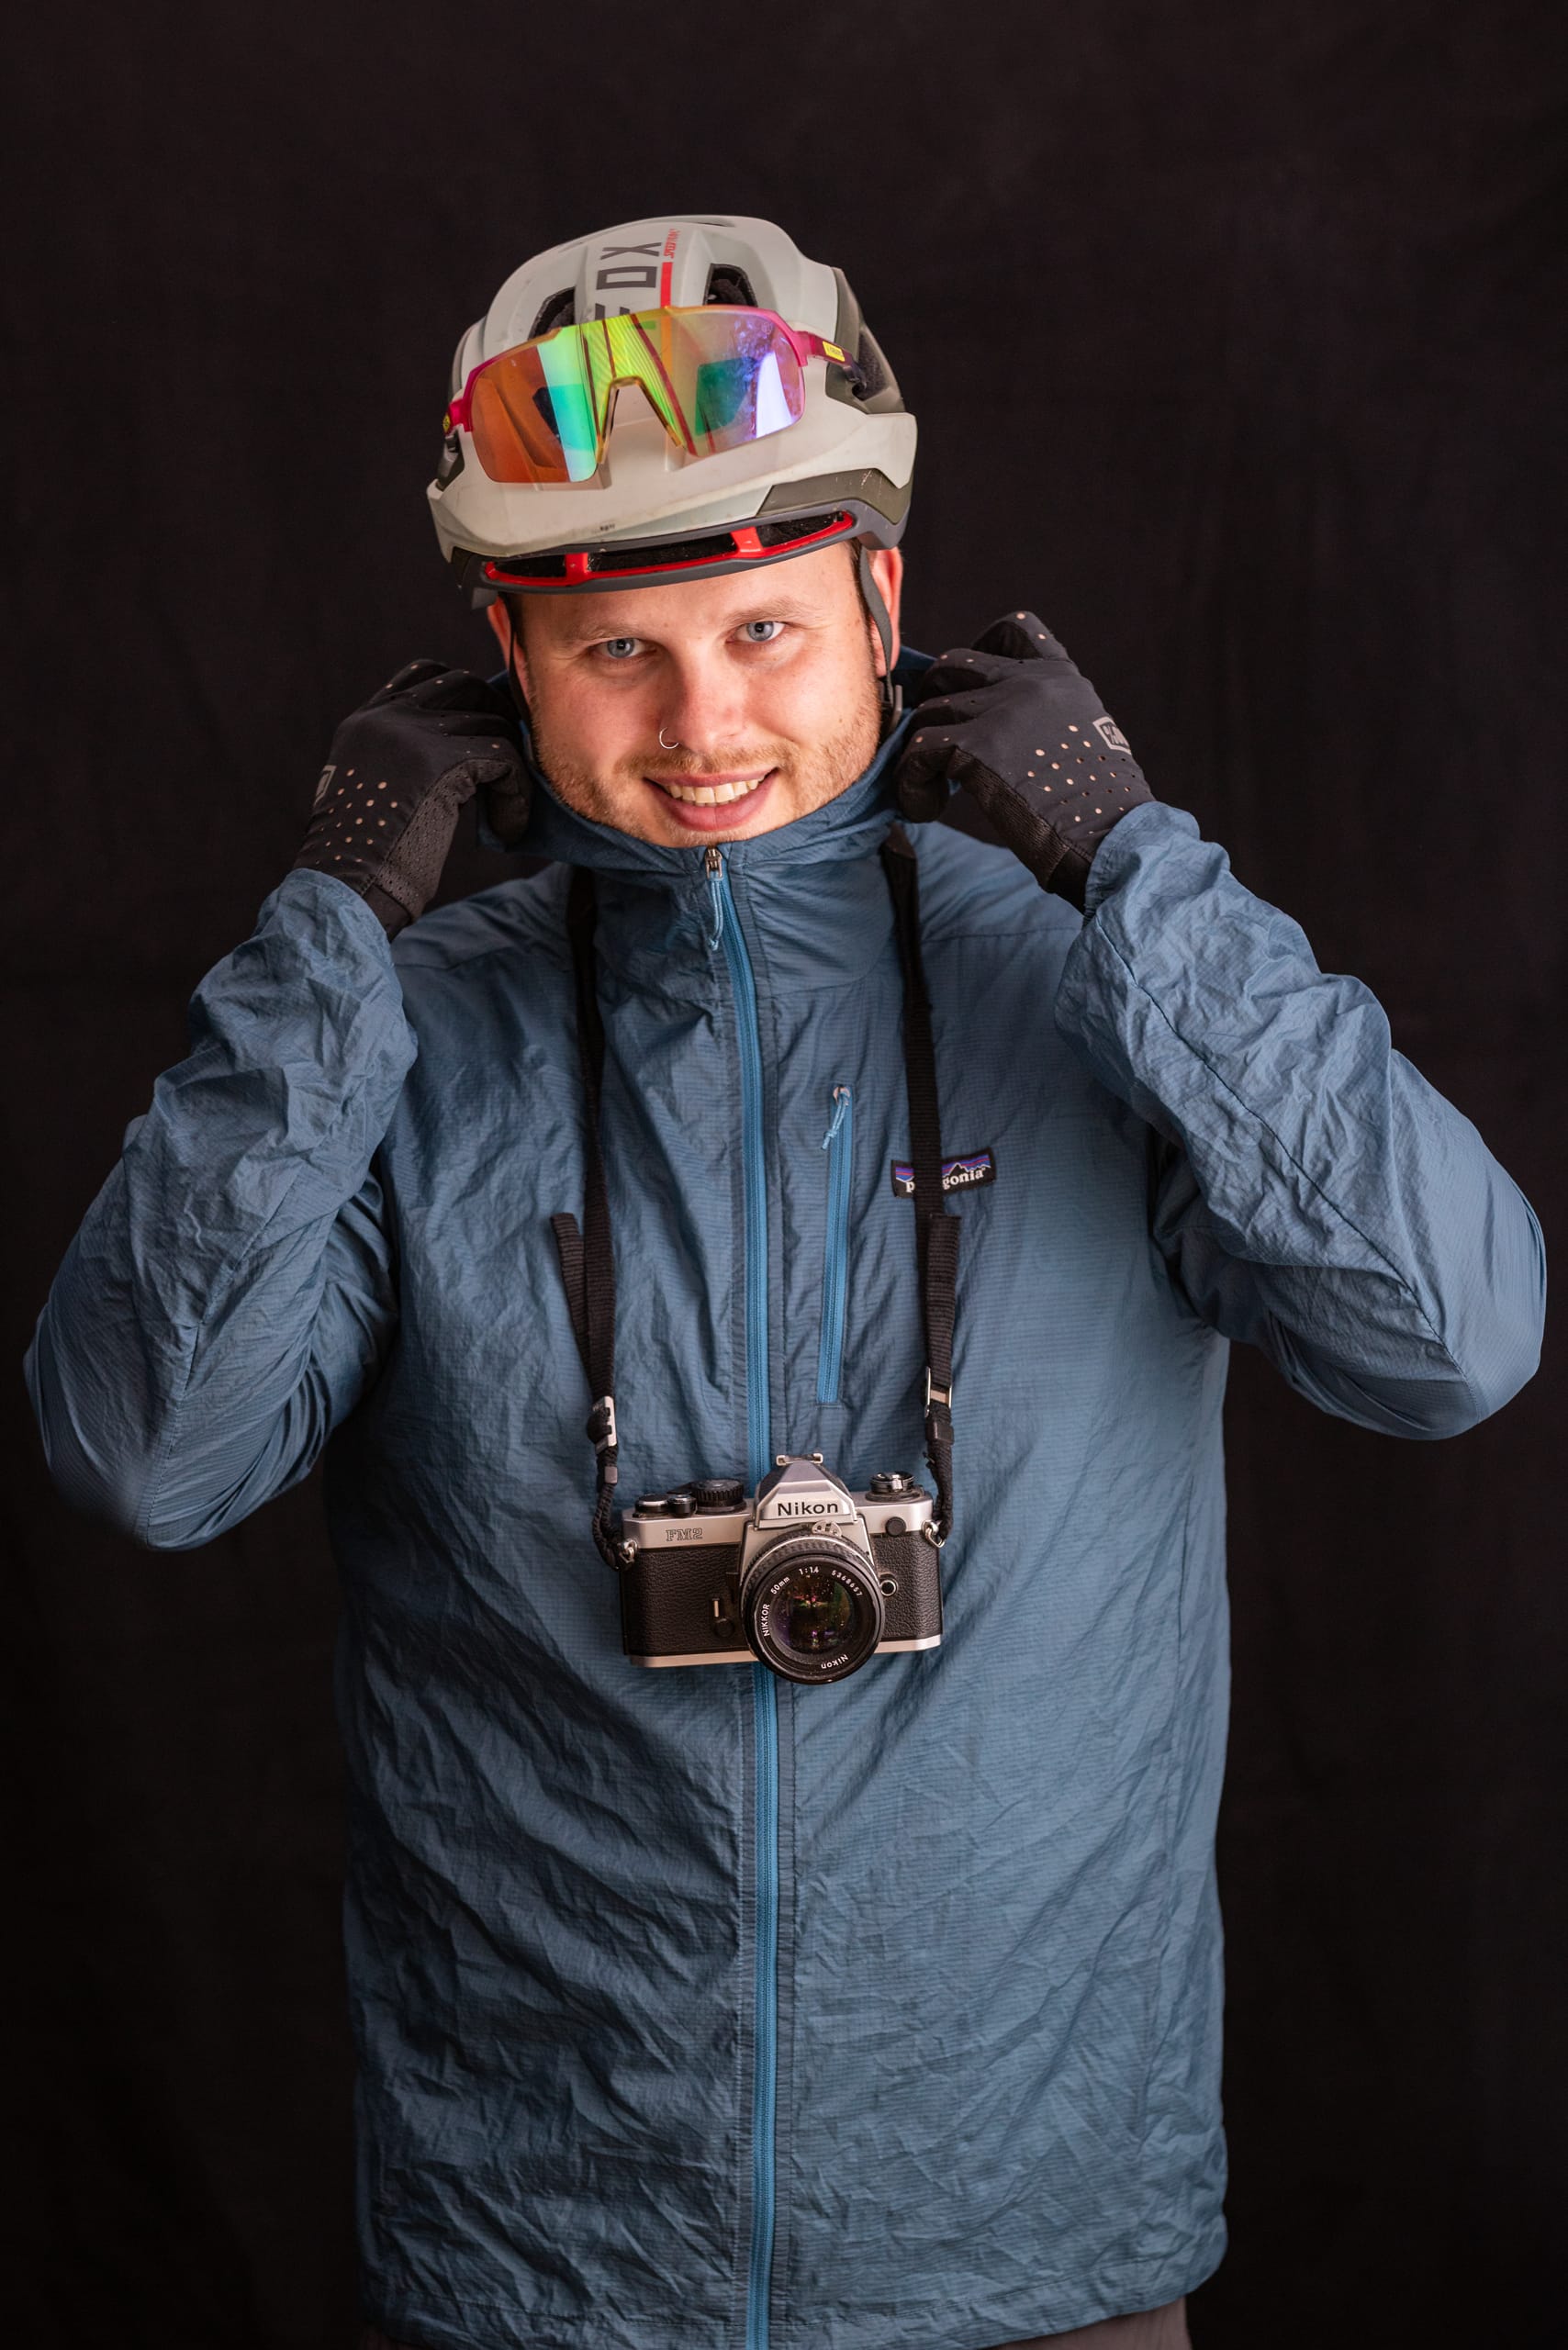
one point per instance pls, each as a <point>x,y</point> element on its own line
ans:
<point>839,1144</point>
<point>764,1695</point>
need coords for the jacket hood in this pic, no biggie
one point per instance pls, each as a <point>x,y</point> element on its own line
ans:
<point>851,825</point>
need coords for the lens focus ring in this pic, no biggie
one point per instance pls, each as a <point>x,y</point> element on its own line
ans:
<point>811,1606</point>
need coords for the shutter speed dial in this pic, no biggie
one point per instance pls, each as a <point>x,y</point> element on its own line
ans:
<point>717,1493</point>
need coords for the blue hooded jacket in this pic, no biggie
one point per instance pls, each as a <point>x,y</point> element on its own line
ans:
<point>696,2011</point>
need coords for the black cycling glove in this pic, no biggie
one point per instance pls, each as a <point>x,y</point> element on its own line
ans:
<point>1024,731</point>
<point>399,769</point>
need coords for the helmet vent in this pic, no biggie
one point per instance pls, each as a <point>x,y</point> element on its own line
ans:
<point>746,541</point>
<point>558,311</point>
<point>711,546</point>
<point>874,368</point>
<point>797,526</point>
<point>729,284</point>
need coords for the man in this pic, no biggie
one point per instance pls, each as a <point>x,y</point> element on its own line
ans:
<point>864,1997</point>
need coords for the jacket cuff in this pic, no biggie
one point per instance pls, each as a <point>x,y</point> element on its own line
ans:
<point>1129,840</point>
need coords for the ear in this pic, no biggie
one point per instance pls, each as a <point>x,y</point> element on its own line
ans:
<point>887,570</point>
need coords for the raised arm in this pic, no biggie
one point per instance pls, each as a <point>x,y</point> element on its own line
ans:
<point>1316,1195</point>
<point>231,1292</point>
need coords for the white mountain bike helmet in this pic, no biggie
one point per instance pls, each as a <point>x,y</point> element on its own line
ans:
<point>672,397</point>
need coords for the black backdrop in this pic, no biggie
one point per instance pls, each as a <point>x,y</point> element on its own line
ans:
<point>1235,338</point>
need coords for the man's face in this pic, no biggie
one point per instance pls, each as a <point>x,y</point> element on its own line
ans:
<point>765,682</point>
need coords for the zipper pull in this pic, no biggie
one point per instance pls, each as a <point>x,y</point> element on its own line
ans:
<point>840,1110</point>
<point>714,864</point>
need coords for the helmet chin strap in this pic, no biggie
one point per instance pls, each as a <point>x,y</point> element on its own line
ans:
<point>513,683</point>
<point>882,619</point>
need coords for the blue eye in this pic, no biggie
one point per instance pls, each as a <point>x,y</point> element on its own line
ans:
<point>751,629</point>
<point>619,648</point>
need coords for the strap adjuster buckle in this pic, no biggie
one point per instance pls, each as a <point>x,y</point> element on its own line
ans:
<point>601,1429</point>
<point>933,1395</point>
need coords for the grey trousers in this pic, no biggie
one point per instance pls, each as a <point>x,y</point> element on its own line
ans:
<point>1162,2329</point>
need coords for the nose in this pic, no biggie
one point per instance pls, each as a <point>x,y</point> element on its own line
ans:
<point>703,706</point>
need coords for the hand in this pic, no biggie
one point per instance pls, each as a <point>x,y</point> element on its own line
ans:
<point>1025,732</point>
<point>399,769</point>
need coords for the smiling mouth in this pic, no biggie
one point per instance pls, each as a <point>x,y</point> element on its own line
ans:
<point>712,795</point>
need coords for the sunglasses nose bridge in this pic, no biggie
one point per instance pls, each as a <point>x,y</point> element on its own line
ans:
<point>646,408</point>
<point>638,453</point>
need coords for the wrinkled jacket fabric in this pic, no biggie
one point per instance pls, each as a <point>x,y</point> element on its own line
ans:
<point>697,2011</point>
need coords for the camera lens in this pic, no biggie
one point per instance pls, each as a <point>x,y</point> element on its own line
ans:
<point>815,1612</point>
<point>812,1608</point>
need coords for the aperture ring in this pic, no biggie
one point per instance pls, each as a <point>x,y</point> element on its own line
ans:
<point>820,1639</point>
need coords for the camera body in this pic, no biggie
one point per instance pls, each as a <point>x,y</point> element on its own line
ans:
<point>806,1576</point>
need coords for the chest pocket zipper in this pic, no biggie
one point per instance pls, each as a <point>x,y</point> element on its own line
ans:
<point>839,1144</point>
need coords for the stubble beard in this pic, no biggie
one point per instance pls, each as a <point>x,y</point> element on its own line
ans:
<point>809,773</point>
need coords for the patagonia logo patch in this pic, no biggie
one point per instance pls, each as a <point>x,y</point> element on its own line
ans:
<point>961,1174</point>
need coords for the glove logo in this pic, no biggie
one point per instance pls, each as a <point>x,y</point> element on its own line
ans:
<point>1112,734</point>
<point>322,787</point>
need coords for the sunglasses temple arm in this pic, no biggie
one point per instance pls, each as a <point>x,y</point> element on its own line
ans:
<point>817,346</point>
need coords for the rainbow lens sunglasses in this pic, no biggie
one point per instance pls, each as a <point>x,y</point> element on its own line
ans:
<point>716,378</point>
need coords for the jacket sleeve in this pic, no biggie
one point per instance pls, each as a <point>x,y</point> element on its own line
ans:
<point>1314,1195</point>
<point>230,1294</point>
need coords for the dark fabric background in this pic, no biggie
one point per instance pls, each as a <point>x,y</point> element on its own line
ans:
<point>1236,337</point>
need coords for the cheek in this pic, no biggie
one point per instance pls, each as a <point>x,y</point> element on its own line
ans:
<point>808,700</point>
<point>595,729</point>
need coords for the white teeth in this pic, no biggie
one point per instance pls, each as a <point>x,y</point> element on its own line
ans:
<point>710,795</point>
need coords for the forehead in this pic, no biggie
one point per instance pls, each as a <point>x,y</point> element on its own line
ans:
<point>817,586</point>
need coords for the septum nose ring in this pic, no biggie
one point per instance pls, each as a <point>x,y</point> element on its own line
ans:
<point>668,746</point>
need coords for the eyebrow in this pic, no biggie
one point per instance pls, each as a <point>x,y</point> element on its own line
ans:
<point>781,608</point>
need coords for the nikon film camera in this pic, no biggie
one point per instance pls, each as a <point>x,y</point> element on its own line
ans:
<point>808,1577</point>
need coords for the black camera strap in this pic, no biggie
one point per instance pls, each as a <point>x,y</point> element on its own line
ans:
<point>587,1256</point>
<point>587,1253</point>
<point>936,1232</point>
